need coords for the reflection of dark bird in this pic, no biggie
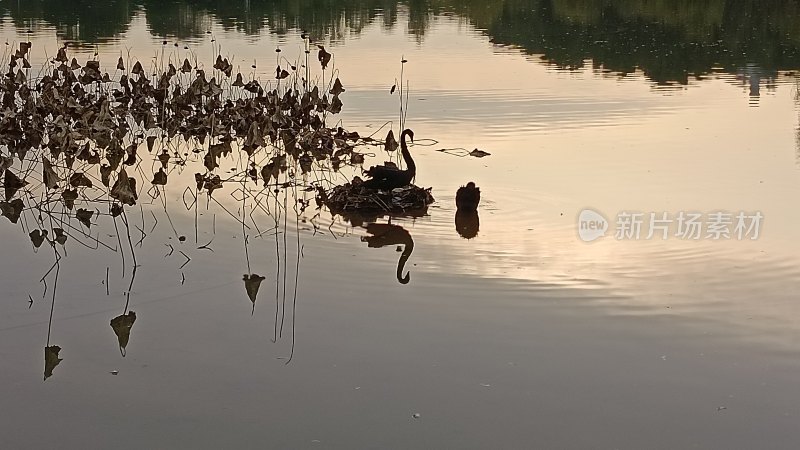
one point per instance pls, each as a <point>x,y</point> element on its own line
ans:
<point>467,223</point>
<point>384,234</point>
<point>468,197</point>
<point>389,176</point>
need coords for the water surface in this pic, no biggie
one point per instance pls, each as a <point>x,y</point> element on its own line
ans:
<point>521,337</point>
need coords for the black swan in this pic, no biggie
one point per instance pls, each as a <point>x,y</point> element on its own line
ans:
<point>389,176</point>
<point>468,197</point>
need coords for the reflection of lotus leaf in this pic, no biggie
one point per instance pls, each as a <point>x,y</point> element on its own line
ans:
<point>84,216</point>
<point>51,360</point>
<point>37,237</point>
<point>79,179</point>
<point>69,196</point>
<point>124,189</point>
<point>160,177</point>
<point>61,237</point>
<point>122,328</point>
<point>12,209</point>
<point>51,178</point>
<point>12,184</point>
<point>251,284</point>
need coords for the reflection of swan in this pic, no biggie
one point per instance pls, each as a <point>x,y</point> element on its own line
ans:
<point>389,176</point>
<point>467,223</point>
<point>384,234</point>
<point>468,197</point>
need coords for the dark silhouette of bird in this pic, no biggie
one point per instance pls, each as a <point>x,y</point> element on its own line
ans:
<point>467,223</point>
<point>389,176</point>
<point>468,197</point>
<point>384,234</point>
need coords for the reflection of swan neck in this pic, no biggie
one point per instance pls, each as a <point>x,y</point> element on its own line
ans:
<point>401,263</point>
<point>411,166</point>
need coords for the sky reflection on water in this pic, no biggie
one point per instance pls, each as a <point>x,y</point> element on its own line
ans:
<point>508,338</point>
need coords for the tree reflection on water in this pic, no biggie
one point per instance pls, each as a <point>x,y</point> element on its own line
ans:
<point>670,43</point>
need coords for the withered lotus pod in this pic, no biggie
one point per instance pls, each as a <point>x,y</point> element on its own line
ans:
<point>239,81</point>
<point>214,88</point>
<point>281,73</point>
<point>137,68</point>
<point>163,82</point>
<point>337,87</point>
<point>324,57</point>
<point>252,86</point>
<point>62,55</point>
<point>70,78</point>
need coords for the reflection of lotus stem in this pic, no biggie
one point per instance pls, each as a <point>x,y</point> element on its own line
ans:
<point>402,66</point>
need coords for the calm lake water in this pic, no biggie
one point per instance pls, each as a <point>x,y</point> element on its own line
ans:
<point>523,336</point>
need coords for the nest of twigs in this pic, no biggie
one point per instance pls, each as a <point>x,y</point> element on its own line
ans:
<point>353,197</point>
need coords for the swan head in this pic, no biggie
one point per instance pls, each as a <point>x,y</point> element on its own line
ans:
<point>408,132</point>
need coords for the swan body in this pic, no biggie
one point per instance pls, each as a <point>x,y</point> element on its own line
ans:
<point>468,197</point>
<point>389,176</point>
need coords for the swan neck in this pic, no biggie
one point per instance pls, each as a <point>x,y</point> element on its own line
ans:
<point>406,154</point>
